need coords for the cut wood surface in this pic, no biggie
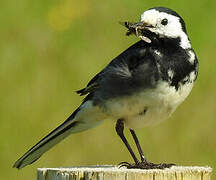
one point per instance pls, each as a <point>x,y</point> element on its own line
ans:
<point>115,173</point>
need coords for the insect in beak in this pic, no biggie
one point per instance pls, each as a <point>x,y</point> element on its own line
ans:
<point>137,29</point>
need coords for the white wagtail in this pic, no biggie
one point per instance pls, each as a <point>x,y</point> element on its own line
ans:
<point>141,86</point>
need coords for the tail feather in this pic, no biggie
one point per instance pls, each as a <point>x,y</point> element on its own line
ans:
<point>47,142</point>
<point>85,117</point>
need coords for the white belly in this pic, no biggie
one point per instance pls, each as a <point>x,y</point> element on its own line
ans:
<point>159,104</point>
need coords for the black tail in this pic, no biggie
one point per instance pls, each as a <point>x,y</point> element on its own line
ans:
<point>48,142</point>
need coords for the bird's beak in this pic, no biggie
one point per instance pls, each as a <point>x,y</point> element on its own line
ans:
<point>142,25</point>
<point>138,29</point>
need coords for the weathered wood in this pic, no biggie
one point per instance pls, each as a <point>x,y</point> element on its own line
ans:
<point>115,173</point>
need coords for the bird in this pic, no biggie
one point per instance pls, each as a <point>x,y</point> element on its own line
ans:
<point>142,86</point>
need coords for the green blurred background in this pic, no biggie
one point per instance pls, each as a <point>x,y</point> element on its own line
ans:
<point>49,49</point>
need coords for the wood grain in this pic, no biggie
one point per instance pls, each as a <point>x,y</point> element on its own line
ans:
<point>115,173</point>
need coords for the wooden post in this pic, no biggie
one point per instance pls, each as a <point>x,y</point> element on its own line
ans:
<point>115,173</point>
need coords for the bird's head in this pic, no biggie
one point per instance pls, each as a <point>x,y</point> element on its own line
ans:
<point>160,23</point>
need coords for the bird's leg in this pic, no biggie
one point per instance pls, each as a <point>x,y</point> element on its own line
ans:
<point>144,164</point>
<point>143,159</point>
<point>120,131</point>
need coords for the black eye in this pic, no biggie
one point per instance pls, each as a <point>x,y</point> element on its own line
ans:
<point>164,22</point>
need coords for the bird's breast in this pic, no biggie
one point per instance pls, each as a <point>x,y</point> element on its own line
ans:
<point>149,106</point>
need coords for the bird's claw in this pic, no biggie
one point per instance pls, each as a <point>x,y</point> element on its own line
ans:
<point>145,165</point>
<point>123,164</point>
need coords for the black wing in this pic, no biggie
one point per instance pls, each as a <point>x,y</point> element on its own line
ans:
<point>91,86</point>
<point>131,71</point>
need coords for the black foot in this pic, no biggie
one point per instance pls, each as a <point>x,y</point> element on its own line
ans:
<point>145,165</point>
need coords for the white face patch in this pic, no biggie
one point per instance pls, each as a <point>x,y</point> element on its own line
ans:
<point>172,29</point>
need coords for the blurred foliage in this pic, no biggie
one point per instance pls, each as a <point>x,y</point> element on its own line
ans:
<point>49,49</point>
